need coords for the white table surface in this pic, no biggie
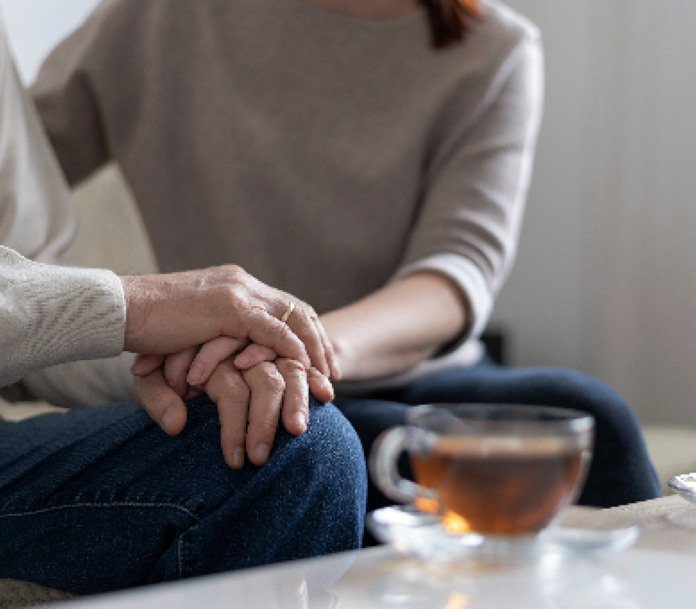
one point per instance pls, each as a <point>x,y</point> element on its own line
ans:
<point>380,578</point>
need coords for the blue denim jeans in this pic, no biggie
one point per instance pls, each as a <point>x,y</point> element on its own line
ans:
<point>621,471</point>
<point>101,499</point>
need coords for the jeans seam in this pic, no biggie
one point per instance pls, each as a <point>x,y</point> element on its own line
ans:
<point>104,505</point>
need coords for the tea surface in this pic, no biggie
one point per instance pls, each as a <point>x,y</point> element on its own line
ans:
<point>503,486</point>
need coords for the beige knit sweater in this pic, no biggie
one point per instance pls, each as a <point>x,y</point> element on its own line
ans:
<point>326,154</point>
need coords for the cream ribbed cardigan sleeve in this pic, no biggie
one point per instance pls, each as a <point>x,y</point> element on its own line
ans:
<point>51,314</point>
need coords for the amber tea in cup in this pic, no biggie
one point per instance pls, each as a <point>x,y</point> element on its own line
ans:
<point>488,469</point>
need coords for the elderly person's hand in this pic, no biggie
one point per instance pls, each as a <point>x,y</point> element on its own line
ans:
<point>169,313</point>
<point>250,401</point>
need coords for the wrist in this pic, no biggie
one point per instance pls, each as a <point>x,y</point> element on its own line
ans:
<point>344,349</point>
<point>345,357</point>
<point>136,313</point>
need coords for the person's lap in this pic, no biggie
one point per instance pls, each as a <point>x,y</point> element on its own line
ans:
<point>102,499</point>
<point>621,471</point>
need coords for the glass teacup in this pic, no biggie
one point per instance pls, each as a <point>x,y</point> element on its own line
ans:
<point>493,470</point>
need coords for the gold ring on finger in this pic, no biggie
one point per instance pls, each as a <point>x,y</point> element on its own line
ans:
<point>288,312</point>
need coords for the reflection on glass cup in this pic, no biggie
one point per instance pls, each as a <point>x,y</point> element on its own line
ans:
<point>487,469</point>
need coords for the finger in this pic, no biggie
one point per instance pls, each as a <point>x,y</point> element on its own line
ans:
<point>230,393</point>
<point>145,364</point>
<point>295,406</point>
<point>176,368</point>
<point>254,354</point>
<point>210,355</point>
<point>267,388</point>
<point>160,401</point>
<point>329,352</point>
<point>319,386</point>
<point>267,330</point>
<point>303,321</point>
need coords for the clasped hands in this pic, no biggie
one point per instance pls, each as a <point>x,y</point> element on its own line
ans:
<point>257,369</point>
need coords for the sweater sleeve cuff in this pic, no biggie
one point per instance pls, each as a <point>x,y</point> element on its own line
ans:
<point>58,314</point>
<point>470,280</point>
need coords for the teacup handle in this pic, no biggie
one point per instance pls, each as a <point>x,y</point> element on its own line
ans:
<point>384,459</point>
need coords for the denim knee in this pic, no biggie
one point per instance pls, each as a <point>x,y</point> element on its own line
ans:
<point>308,500</point>
<point>574,389</point>
<point>125,504</point>
<point>621,471</point>
<point>332,450</point>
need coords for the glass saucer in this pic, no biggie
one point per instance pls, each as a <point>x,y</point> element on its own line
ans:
<point>413,532</point>
<point>685,485</point>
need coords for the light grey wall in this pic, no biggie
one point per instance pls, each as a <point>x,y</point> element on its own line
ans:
<point>643,207</point>
<point>606,277</point>
<point>542,302</point>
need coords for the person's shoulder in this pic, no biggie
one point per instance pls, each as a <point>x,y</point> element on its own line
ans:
<point>110,11</point>
<point>128,17</point>
<point>121,8</point>
<point>115,38</point>
<point>108,18</point>
<point>499,34</point>
<point>499,39</point>
<point>502,23</point>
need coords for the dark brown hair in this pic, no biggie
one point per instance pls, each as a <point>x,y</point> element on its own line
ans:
<point>450,19</point>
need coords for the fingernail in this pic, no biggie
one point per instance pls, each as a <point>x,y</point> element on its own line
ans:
<point>327,384</point>
<point>262,452</point>
<point>195,374</point>
<point>168,418</point>
<point>301,421</point>
<point>238,458</point>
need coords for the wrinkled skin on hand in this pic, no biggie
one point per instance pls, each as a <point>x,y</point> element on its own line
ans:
<point>169,313</point>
